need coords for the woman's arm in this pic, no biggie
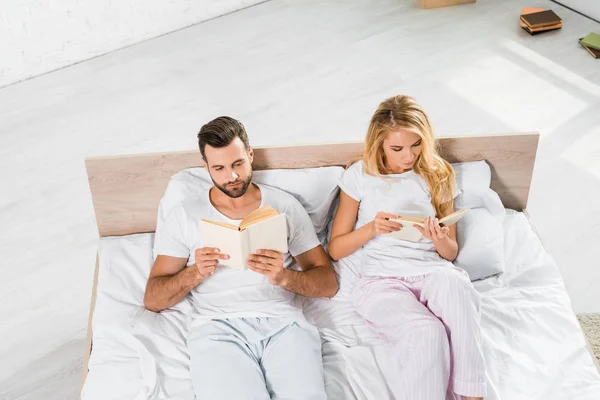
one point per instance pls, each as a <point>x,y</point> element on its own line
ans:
<point>344,239</point>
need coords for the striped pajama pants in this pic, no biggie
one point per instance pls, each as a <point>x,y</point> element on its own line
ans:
<point>431,325</point>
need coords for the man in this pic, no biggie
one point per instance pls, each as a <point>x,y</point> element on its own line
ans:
<point>248,339</point>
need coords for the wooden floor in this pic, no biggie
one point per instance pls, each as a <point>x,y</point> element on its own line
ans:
<point>301,71</point>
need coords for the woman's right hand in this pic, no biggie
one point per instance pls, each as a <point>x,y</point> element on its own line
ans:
<point>382,224</point>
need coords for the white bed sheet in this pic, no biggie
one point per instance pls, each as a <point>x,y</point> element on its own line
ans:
<point>534,346</point>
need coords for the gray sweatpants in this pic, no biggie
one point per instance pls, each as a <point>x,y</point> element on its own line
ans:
<point>256,359</point>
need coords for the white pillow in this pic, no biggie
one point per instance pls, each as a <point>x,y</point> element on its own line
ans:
<point>474,179</point>
<point>473,175</point>
<point>480,235</point>
<point>480,238</point>
<point>186,184</point>
<point>315,188</point>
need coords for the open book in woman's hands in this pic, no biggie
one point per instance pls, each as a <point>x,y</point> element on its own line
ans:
<point>410,233</point>
<point>263,228</point>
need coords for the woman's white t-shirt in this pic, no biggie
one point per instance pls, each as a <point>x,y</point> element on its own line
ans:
<point>405,194</point>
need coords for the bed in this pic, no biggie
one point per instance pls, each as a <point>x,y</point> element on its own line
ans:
<point>534,345</point>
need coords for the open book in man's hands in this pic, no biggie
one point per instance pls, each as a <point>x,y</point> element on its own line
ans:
<point>263,228</point>
<point>410,233</point>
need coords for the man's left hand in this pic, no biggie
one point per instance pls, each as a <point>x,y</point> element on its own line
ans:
<point>270,264</point>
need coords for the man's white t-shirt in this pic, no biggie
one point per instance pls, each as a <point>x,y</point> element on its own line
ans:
<point>405,194</point>
<point>229,292</point>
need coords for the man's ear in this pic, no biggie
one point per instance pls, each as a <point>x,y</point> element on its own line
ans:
<point>204,163</point>
<point>251,154</point>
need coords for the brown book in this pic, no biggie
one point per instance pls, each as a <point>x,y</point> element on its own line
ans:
<point>531,10</point>
<point>542,18</point>
<point>595,53</point>
<point>538,26</point>
<point>535,31</point>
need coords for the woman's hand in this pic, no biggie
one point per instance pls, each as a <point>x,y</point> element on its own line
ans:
<point>382,224</point>
<point>432,229</point>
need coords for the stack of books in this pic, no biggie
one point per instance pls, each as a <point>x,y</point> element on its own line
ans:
<point>592,44</point>
<point>538,20</point>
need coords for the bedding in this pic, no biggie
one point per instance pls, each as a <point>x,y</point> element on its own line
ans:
<point>533,344</point>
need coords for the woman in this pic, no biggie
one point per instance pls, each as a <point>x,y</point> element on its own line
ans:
<point>425,309</point>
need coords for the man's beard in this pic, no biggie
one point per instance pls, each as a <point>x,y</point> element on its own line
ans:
<point>237,191</point>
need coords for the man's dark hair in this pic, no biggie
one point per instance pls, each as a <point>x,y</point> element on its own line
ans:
<point>220,132</point>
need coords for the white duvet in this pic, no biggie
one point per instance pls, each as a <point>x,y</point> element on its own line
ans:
<point>533,344</point>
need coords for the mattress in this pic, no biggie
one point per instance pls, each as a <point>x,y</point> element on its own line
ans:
<point>533,344</point>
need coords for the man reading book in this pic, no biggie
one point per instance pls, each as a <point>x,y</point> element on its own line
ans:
<point>249,339</point>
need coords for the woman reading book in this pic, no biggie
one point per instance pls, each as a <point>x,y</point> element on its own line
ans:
<point>425,309</point>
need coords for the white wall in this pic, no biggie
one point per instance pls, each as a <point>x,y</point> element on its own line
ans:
<point>591,8</point>
<point>38,36</point>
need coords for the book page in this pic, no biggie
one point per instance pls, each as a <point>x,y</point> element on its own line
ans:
<point>224,224</point>
<point>270,234</point>
<point>447,220</point>
<point>408,220</point>
<point>229,241</point>
<point>408,232</point>
<point>257,216</point>
<point>454,217</point>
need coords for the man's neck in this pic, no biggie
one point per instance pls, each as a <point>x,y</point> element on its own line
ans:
<point>236,208</point>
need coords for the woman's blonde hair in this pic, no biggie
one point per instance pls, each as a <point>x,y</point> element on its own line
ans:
<point>403,113</point>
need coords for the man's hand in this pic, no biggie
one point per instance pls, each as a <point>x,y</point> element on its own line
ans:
<point>207,259</point>
<point>270,264</point>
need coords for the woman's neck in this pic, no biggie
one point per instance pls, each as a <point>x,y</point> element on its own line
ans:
<point>396,170</point>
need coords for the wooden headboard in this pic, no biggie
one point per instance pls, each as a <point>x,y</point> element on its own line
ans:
<point>126,190</point>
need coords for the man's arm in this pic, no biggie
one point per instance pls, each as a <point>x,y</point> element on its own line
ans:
<point>316,279</point>
<point>170,281</point>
